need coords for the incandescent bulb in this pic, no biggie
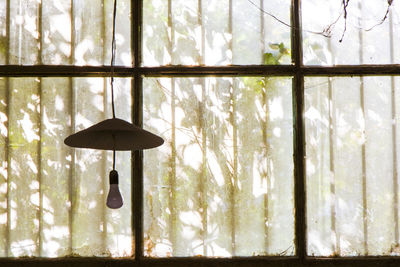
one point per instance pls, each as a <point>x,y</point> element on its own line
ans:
<point>114,198</point>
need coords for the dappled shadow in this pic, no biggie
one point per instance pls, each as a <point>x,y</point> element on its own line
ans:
<point>223,184</point>
<point>350,167</point>
<point>52,197</point>
<point>77,34</point>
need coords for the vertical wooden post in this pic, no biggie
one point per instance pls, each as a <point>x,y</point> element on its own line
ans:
<point>137,118</point>
<point>298,135</point>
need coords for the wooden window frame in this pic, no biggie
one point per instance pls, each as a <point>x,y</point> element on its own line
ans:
<point>296,70</point>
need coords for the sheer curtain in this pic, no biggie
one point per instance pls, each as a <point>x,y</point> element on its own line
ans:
<point>352,134</point>
<point>222,184</point>
<point>52,197</point>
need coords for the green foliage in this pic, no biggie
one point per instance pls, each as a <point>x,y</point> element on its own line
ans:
<point>3,45</point>
<point>275,57</point>
<point>269,59</point>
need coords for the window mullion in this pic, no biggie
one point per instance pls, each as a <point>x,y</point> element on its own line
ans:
<point>136,26</point>
<point>299,140</point>
<point>137,173</point>
<point>137,118</point>
<point>297,48</point>
<point>299,166</point>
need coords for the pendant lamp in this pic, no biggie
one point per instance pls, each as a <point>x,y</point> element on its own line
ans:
<point>114,134</point>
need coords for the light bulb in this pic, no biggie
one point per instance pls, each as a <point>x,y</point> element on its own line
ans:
<point>114,198</point>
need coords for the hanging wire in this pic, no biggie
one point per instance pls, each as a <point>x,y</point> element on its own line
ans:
<point>114,159</point>
<point>113,48</point>
<point>113,137</point>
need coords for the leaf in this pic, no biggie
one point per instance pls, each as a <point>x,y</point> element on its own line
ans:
<point>283,50</point>
<point>316,46</point>
<point>274,46</point>
<point>269,59</point>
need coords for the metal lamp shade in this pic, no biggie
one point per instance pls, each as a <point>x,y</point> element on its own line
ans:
<point>114,134</point>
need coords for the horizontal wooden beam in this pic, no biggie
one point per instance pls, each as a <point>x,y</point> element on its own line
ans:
<point>62,71</point>
<point>231,70</point>
<point>186,71</point>
<point>349,70</point>
<point>209,262</point>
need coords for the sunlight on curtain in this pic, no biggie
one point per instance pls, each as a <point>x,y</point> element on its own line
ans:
<point>352,144</point>
<point>52,197</point>
<point>214,32</point>
<point>222,185</point>
<point>72,32</point>
<point>367,40</point>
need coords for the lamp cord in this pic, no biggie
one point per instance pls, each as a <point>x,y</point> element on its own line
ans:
<point>113,48</point>
<point>114,159</point>
<point>113,137</point>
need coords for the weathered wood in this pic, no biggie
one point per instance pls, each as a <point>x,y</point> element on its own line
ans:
<point>137,118</point>
<point>202,262</point>
<point>298,134</point>
<point>182,71</point>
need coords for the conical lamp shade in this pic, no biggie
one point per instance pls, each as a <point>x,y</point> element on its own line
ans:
<point>114,134</point>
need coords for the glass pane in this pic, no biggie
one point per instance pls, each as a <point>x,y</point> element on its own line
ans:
<point>52,197</point>
<point>352,139</point>
<point>24,32</point>
<point>96,229</point>
<point>222,184</point>
<point>71,32</point>
<point>216,32</point>
<point>23,193</point>
<point>93,32</point>
<point>368,38</point>
<point>4,215</point>
<point>3,29</point>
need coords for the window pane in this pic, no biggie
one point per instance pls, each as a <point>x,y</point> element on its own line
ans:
<point>78,34</point>
<point>24,32</point>
<point>215,32</point>
<point>352,139</point>
<point>361,44</point>
<point>52,198</point>
<point>3,38</point>
<point>222,184</point>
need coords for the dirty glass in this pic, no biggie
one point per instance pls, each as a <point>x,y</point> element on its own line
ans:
<point>63,32</point>
<point>222,184</point>
<point>216,32</point>
<point>52,197</point>
<point>352,143</point>
<point>369,35</point>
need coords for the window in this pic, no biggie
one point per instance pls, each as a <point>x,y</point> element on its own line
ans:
<point>205,190</point>
<point>281,139</point>
<point>52,197</point>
